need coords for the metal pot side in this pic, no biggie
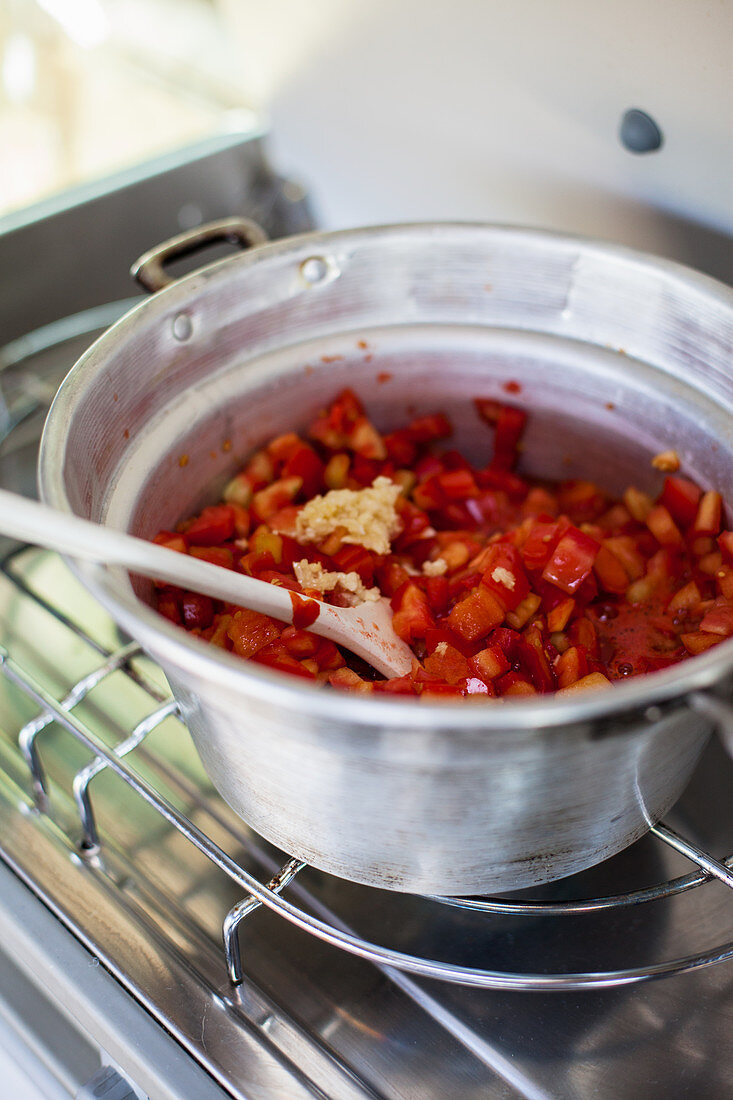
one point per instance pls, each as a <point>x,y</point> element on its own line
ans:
<point>618,356</point>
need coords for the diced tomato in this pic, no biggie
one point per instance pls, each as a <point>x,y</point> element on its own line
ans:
<point>355,559</point>
<point>457,484</point>
<point>214,526</point>
<point>349,680</point>
<point>709,513</point>
<point>168,603</point>
<point>476,614</point>
<point>447,663</point>
<point>277,657</point>
<point>174,541</point>
<point>437,592</point>
<point>571,666</point>
<point>250,632</point>
<point>610,573</point>
<point>725,542</point>
<point>582,500</point>
<point>489,663</point>
<point>403,685</point>
<point>535,660</point>
<point>216,555</point>
<point>509,423</point>
<point>299,643</point>
<point>557,619</point>
<point>197,611</point>
<point>571,560</point>
<point>681,497</point>
<point>719,620</point>
<point>662,526</point>
<point>697,641</point>
<point>504,575</point>
<point>514,683</point>
<point>427,429</point>
<point>412,616</point>
<point>267,502</point>
<point>542,539</point>
<point>524,611</point>
<point>305,464</point>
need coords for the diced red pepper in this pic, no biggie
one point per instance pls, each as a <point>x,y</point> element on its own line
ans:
<point>214,526</point>
<point>427,429</point>
<point>725,542</point>
<point>216,555</point>
<point>447,663</point>
<point>709,514</point>
<point>305,464</point>
<point>250,632</point>
<point>476,614</point>
<point>412,617</point>
<point>197,611</point>
<point>571,560</point>
<point>681,497</point>
<point>541,541</point>
<point>719,620</point>
<point>489,663</point>
<point>504,575</point>
<point>509,423</point>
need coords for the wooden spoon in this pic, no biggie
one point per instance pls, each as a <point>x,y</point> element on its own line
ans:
<point>365,630</point>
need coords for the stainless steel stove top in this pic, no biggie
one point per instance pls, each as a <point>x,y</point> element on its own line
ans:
<point>115,885</point>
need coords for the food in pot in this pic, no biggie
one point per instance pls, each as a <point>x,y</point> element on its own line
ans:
<point>503,585</point>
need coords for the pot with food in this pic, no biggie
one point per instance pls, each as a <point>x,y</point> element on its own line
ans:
<point>522,442</point>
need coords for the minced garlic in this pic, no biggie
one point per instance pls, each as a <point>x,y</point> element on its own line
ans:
<point>667,461</point>
<point>368,516</point>
<point>312,576</point>
<point>503,576</point>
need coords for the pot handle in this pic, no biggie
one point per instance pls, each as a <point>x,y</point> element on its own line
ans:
<point>149,270</point>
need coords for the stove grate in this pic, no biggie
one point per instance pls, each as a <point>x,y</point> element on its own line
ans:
<point>54,710</point>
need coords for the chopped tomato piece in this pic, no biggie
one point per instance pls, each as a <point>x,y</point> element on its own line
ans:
<point>719,620</point>
<point>447,663</point>
<point>571,560</point>
<point>197,611</point>
<point>663,527</point>
<point>214,526</point>
<point>476,614</point>
<point>250,632</point>
<point>509,423</point>
<point>412,616</point>
<point>707,520</point>
<point>681,498</point>
<point>217,555</point>
<point>504,575</point>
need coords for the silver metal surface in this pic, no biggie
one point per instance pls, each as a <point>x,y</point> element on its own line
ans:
<point>405,796</point>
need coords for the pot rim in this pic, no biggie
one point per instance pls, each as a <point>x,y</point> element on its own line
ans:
<point>192,656</point>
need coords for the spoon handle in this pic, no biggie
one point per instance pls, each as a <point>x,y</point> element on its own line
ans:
<point>30,521</point>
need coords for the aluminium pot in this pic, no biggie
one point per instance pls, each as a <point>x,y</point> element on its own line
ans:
<point>618,355</point>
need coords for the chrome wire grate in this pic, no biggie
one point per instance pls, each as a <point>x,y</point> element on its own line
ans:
<point>62,707</point>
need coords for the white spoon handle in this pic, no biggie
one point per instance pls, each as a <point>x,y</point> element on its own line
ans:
<point>365,630</point>
<point>79,538</point>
